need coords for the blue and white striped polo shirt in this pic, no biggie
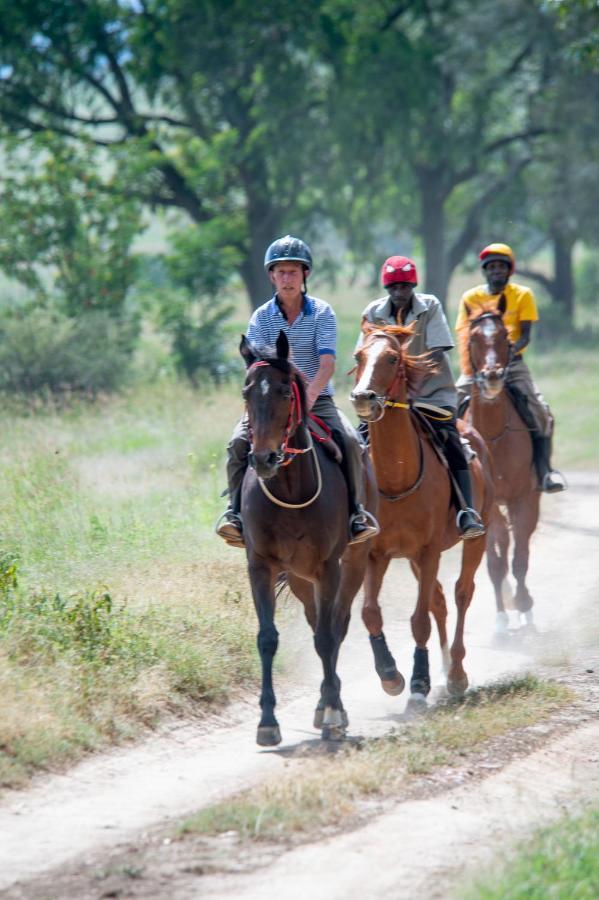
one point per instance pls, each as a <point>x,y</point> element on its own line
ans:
<point>313,333</point>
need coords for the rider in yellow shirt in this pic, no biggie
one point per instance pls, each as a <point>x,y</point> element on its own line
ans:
<point>498,263</point>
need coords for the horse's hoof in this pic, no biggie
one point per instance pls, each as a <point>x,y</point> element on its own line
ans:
<point>319,718</point>
<point>268,735</point>
<point>333,733</point>
<point>527,620</point>
<point>458,687</point>
<point>417,704</point>
<point>394,686</point>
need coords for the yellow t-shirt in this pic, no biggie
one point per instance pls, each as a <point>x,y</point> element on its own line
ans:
<point>521,306</point>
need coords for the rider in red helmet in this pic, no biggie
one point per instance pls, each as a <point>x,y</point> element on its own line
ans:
<point>437,395</point>
<point>498,264</point>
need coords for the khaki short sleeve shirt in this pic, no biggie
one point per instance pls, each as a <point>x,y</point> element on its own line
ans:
<point>432,333</point>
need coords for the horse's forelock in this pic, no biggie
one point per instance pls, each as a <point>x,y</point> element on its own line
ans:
<point>269,356</point>
<point>416,366</point>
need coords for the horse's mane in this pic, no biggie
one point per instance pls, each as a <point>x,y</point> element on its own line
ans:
<point>267,354</point>
<point>417,366</point>
<point>488,307</point>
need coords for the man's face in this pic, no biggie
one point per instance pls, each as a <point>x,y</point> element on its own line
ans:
<point>497,273</point>
<point>287,278</point>
<point>401,293</point>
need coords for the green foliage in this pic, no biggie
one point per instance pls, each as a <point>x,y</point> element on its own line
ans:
<point>43,350</point>
<point>587,281</point>
<point>62,233</point>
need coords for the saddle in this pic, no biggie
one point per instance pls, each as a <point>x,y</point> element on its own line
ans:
<point>425,412</point>
<point>321,432</point>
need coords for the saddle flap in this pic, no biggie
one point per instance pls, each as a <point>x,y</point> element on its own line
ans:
<point>321,433</point>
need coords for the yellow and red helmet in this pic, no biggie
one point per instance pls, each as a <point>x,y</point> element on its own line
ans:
<point>498,251</point>
<point>397,269</point>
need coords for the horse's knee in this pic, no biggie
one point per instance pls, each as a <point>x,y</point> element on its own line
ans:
<point>268,641</point>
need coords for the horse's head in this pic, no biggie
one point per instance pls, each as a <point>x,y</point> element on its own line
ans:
<point>274,395</point>
<point>489,348</point>
<point>384,370</point>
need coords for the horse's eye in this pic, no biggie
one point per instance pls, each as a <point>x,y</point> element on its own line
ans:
<point>392,359</point>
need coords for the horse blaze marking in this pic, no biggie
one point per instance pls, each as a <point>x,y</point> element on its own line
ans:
<point>489,329</point>
<point>370,364</point>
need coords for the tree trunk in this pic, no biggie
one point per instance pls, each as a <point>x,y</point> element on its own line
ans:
<point>563,280</point>
<point>432,199</point>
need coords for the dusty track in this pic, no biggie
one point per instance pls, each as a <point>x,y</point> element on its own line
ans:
<point>106,804</point>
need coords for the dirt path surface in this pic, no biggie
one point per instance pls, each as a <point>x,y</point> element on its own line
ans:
<point>111,805</point>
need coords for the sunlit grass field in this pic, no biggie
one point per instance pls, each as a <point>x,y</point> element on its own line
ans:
<point>120,497</point>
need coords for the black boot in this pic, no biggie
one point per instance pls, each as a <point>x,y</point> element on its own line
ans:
<point>550,481</point>
<point>230,526</point>
<point>468,520</point>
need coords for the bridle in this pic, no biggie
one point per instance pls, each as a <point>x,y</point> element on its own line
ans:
<point>383,401</point>
<point>479,378</point>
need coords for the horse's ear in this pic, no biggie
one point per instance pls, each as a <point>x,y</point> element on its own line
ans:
<point>368,327</point>
<point>282,345</point>
<point>245,348</point>
<point>502,305</point>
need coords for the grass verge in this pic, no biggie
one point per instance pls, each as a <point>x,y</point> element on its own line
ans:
<point>560,862</point>
<point>81,670</point>
<point>331,789</point>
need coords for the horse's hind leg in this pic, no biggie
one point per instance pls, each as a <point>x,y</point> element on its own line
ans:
<point>498,539</point>
<point>331,627</point>
<point>524,515</point>
<point>472,554</point>
<point>392,680</point>
<point>262,582</point>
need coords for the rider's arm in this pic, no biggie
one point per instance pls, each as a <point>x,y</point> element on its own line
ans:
<point>524,339</point>
<point>322,378</point>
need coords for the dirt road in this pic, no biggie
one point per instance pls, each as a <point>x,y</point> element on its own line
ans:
<point>107,804</point>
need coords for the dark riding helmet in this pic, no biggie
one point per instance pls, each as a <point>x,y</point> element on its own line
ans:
<point>288,249</point>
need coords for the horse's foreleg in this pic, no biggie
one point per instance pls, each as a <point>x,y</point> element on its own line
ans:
<point>262,582</point>
<point>472,554</point>
<point>439,611</point>
<point>498,539</point>
<point>392,680</point>
<point>426,566</point>
<point>524,514</point>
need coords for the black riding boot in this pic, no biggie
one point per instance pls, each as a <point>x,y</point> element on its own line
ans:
<point>467,519</point>
<point>230,525</point>
<point>541,452</point>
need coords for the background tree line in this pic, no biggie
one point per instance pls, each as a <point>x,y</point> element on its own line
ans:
<point>443,123</point>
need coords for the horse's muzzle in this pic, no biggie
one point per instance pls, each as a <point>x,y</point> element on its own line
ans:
<point>491,382</point>
<point>265,462</point>
<point>368,405</point>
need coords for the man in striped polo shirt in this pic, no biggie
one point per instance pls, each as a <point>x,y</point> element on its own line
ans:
<point>311,328</point>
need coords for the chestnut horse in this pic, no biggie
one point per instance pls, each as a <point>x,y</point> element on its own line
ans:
<point>494,415</point>
<point>416,513</point>
<point>295,509</point>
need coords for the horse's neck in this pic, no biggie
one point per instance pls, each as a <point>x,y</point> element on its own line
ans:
<point>490,417</point>
<point>395,451</point>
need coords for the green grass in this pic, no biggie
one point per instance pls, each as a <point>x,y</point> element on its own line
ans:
<point>78,671</point>
<point>559,863</point>
<point>330,789</point>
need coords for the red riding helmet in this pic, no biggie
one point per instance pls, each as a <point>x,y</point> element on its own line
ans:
<point>498,251</point>
<point>398,268</point>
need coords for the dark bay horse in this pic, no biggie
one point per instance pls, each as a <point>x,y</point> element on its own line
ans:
<point>494,415</point>
<point>416,514</point>
<point>295,510</point>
